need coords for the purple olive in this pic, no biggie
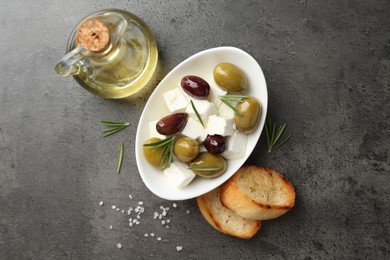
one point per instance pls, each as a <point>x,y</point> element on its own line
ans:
<point>172,124</point>
<point>215,143</point>
<point>195,86</point>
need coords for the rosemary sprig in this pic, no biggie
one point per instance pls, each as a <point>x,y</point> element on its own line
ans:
<point>120,159</point>
<point>113,127</point>
<point>274,133</point>
<point>167,149</point>
<point>196,112</point>
<point>227,99</point>
<point>204,169</point>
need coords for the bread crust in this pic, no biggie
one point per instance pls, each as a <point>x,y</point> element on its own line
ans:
<point>224,219</point>
<point>258,193</point>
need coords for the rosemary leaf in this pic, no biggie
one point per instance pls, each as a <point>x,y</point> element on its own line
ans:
<point>196,112</point>
<point>120,159</point>
<point>274,133</point>
<point>112,122</point>
<point>227,99</point>
<point>113,127</point>
<point>167,149</point>
<point>115,131</point>
<point>231,106</point>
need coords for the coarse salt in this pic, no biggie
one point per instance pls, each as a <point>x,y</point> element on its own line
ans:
<point>174,205</point>
<point>179,248</point>
<point>119,245</point>
<point>101,203</point>
<point>113,207</point>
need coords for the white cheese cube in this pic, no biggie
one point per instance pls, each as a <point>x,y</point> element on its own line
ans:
<point>178,174</point>
<point>218,125</point>
<point>204,108</point>
<point>153,131</point>
<point>235,146</point>
<point>214,94</point>
<point>225,111</point>
<point>194,130</point>
<point>175,100</point>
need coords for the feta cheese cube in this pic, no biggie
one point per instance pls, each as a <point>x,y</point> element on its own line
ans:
<point>204,108</point>
<point>225,111</point>
<point>235,146</point>
<point>153,131</point>
<point>194,130</point>
<point>220,126</point>
<point>175,100</point>
<point>214,94</point>
<point>178,174</point>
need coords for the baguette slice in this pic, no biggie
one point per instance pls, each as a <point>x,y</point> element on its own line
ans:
<point>258,193</point>
<point>223,219</point>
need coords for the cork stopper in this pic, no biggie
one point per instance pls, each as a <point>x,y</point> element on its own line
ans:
<point>93,35</point>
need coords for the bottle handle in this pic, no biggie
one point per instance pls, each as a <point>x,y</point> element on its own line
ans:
<point>73,63</point>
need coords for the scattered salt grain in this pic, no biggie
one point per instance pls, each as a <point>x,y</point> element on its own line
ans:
<point>118,209</point>
<point>123,211</point>
<point>163,222</point>
<point>164,213</point>
<point>110,227</point>
<point>119,245</point>
<point>101,203</point>
<point>113,207</point>
<point>159,239</point>
<point>140,203</point>
<point>179,248</point>
<point>152,234</point>
<point>188,211</point>
<point>168,220</point>
<point>174,205</point>
<point>131,197</point>
<point>146,235</point>
<point>155,215</point>
<point>166,226</point>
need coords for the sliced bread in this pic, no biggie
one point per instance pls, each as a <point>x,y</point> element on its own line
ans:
<point>224,219</point>
<point>258,193</point>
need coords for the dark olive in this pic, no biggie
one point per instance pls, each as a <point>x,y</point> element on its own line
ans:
<point>215,143</point>
<point>186,148</point>
<point>250,111</point>
<point>154,156</point>
<point>208,165</point>
<point>172,124</point>
<point>230,77</point>
<point>195,86</point>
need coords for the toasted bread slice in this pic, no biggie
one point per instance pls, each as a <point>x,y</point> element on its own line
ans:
<point>223,219</point>
<point>258,193</point>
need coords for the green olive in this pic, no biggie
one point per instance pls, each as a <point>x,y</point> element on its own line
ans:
<point>186,148</point>
<point>154,156</point>
<point>250,111</point>
<point>208,165</point>
<point>230,77</point>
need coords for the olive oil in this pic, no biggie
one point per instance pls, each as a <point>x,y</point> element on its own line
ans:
<point>126,65</point>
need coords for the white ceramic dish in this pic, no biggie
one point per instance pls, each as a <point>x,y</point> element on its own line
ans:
<point>200,64</point>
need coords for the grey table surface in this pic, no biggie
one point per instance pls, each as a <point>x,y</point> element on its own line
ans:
<point>327,66</point>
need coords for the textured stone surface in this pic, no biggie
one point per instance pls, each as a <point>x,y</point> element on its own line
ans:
<point>327,65</point>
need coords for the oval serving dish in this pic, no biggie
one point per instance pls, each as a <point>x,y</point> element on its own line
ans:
<point>200,64</point>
